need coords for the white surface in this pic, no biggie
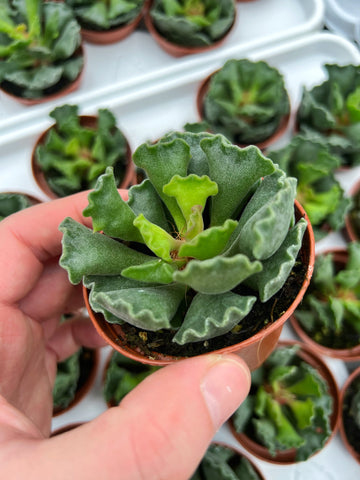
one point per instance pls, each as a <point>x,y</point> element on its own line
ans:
<point>343,17</point>
<point>138,62</point>
<point>171,104</point>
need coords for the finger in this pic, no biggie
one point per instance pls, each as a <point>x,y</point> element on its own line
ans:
<point>160,430</point>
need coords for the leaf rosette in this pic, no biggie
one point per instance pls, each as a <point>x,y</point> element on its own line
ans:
<point>193,23</point>
<point>205,236</point>
<point>246,101</point>
<point>332,110</point>
<point>39,47</point>
<point>13,202</point>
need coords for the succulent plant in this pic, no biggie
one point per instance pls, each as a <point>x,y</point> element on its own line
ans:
<point>223,463</point>
<point>193,23</point>
<point>289,405</point>
<point>246,101</point>
<point>351,412</point>
<point>100,15</point>
<point>319,192</point>
<point>13,202</point>
<point>75,153</point>
<point>39,47</point>
<point>354,214</point>
<point>332,110</point>
<point>122,375</point>
<point>209,236</point>
<point>66,381</point>
<point>330,310</point>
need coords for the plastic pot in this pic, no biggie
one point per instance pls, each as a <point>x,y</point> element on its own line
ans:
<point>253,350</point>
<point>309,355</point>
<point>89,121</point>
<point>343,423</point>
<point>340,256</point>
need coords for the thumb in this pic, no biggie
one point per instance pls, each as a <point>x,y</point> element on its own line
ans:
<point>161,429</point>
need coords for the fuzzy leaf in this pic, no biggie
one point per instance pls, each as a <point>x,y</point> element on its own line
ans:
<point>88,253</point>
<point>217,275</point>
<point>156,271</point>
<point>303,411</point>
<point>212,315</point>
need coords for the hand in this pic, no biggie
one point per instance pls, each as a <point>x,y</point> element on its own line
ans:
<point>160,430</point>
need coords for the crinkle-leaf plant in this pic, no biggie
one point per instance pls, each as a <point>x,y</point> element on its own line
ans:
<point>289,405</point>
<point>332,110</point>
<point>330,310</point>
<point>210,219</point>
<point>351,413</point>
<point>246,101</point>
<point>193,23</point>
<point>318,191</point>
<point>102,16</point>
<point>66,380</point>
<point>354,213</point>
<point>13,202</point>
<point>39,44</point>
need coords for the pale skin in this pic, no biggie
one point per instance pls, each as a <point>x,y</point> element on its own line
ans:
<point>159,431</point>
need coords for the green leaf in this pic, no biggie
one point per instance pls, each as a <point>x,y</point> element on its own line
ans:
<point>156,271</point>
<point>217,275</point>
<point>303,411</point>
<point>212,315</point>
<point>66,380</point>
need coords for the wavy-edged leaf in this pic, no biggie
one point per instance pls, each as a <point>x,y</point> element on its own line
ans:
<point>150,307</point>
<point>277,268</point>
<point>217,275</point>
<point>161,162</point>
<point>110,213</point>
<point>209,243</point>
<point>212,315</point>
<point>88,253</point>
<point>156,271</point>
<point>235,175</point>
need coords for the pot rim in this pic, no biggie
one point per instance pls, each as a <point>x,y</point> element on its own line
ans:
<point>87,121</point>
<point>287,457</point>
<point>346,354</point>
<point>180,50</point>
<point>355,374</point>
<point>271,331</point>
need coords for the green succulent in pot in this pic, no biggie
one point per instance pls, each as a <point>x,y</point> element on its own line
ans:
<point>39,48</point>
<point>246,101</point>
<point>330,311</point>
<point>350,413</point>
<point>332,110</point>
<point>77,149</point>
<point>292,407</point>
<point>101,16</point>
<point>205,241</point>
<point>193,23</point>
<point>319,192</point>
<point>11,202</point>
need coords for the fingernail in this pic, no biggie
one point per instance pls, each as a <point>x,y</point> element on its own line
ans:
<point>224,387</point>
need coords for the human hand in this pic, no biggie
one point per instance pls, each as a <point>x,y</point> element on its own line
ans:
<point>159,431</point>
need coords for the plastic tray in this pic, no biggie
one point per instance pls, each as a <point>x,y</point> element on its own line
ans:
<point>168,105</point>
<point>137,62</point>
<point>343,17</point>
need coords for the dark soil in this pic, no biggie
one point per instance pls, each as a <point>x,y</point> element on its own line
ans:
<point>352,431</point>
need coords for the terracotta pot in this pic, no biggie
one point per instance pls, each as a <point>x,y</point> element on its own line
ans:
<point>355,454</point>
<point>309,355</point>
<point>86,380</point>
<point>65,428</point>
<point>68,88</point>
<point>346,354</point>
<point>181,50</point>
<point>85,121</point>
<point>254,350</point>
<point>349,228</point>
<point>202,91</point>
<point>115,34</point>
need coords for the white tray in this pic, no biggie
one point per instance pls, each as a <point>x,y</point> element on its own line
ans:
<point>138,62</point>
<point>148,114</point>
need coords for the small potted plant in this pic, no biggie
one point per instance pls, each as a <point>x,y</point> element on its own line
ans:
<point>70,155</point>
<point>329,315</point>
<point>122,375</point>
<point>183,27</point>
<point>352,219</point>
<point>107,22</point>
<point>11,202</point>
<point>246,101</point>
<point>319,192</point>
<point>74,378</point>
<point>350,414</point>
<point>210,252</point>
<point>40,50</point>
<point>292,409</point>
<point>222,462</point>
<point>332,110</point>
